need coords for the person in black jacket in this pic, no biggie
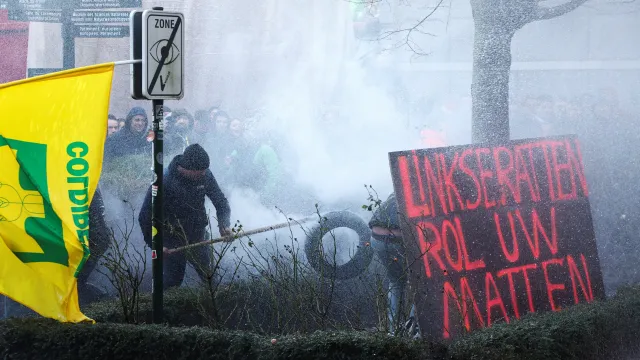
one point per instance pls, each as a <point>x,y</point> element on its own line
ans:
<point>186,183</point>
<point>131,139</point>
<point>387,242</point>
<point>178,132</point>
<point>99,241</point>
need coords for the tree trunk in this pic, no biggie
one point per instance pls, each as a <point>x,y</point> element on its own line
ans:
<point>490,82</point>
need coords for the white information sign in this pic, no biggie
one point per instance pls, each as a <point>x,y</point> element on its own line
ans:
<point>162,55</point>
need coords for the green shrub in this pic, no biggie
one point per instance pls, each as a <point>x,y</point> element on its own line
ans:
<point>127,177</point>
<point>38,339</point>
<point>600,330</point>
<point>181,308</point>
<point>247,305</point>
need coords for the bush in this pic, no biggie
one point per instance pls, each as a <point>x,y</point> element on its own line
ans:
<point>249,306</point>
<point>602,330</point>
<point>127,177</point>
<point>34,339</point>
<point>181,308</point>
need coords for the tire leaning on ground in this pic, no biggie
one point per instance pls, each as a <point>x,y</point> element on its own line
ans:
<point>315,251</point>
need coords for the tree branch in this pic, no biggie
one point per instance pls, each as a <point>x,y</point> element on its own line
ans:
<point>543,13</point>
<point>407,39</point>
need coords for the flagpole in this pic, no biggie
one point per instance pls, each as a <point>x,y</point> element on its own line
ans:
<point>127,62</point>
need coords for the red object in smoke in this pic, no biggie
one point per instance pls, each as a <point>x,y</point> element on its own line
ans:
<point>14,42</point>
<point>432,139</point>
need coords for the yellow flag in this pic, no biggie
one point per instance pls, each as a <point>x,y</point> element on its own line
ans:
<point>52,134</point>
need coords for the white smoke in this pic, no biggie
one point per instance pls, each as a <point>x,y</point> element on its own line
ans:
<point>311,68</point>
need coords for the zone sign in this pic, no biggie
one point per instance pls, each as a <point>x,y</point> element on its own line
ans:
<point>162,55</point>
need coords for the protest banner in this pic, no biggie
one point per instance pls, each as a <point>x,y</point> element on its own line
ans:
<point>496,231</point>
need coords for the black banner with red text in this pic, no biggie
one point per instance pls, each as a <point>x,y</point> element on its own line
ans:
<point>495,232</point>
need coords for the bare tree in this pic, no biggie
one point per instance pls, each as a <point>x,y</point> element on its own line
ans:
<point>496,21</point>
<point>124,267</point>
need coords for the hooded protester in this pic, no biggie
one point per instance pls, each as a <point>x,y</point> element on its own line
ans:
<point>201,127</point>
<point>131,139</point>
<point>212,112</point>
<point>167,112</point>
<point>253,163</point>
<point>99,241</point>
<point>387,242</point>
<point>178,134</point>
<point>221,123</point>
<point>186,183</point>
<point>220,138</point>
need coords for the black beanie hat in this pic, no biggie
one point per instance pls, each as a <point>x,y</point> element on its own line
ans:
<point>194,158</point>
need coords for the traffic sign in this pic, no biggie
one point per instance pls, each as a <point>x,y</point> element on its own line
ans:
<point>101,31</point>
<point>100,16</point>
<point>162,55</point>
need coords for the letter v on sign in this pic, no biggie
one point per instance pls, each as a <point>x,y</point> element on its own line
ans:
<point>163,84</point>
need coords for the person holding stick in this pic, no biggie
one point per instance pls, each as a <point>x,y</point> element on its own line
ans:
<point>187,181</point>
<point>388,244</point>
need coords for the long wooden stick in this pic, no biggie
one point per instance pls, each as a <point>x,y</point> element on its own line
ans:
<point>234,237</point>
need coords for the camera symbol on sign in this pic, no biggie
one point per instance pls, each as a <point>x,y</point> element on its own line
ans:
<point>160,48</point>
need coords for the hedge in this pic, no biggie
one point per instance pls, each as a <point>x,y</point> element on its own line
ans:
<point>602,330</point>
<point>286,307</point>
<point>39,339</point>
<point>180,308</point>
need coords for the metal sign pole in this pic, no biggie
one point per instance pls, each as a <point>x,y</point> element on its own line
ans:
<point>157,39</point>
<point>157,213</point>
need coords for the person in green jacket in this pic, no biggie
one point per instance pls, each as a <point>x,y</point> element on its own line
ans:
<point>268,163</point>
<point>253,164</point>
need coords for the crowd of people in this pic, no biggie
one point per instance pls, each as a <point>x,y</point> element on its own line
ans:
<point>237,160</point>
<point>207,153</point>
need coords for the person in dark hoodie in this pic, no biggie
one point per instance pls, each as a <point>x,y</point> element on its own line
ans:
<point>219,138</point>
<point>186,183</point>
<point>131,139</point>
<point>201,127</point>
<point>387,243</point>
<point>178,134</point>
<point>99,241</point>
